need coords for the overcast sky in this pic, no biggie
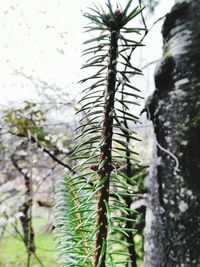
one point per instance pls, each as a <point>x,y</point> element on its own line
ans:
<point>41,41</point>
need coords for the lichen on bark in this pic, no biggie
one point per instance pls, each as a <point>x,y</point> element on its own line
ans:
<point>172,236</point>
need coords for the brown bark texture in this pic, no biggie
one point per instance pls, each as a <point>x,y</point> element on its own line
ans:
<point>173,214</point>
<point>106,156</point>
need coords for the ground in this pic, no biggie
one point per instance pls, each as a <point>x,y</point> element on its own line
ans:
<point>12,250</point>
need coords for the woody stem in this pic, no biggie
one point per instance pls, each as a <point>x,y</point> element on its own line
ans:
<point>106,155</point>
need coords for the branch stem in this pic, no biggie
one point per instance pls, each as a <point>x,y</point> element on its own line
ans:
<point>106,155</point>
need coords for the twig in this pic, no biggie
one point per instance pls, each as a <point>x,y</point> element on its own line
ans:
<point>38,259</point>
<point>32,139</point>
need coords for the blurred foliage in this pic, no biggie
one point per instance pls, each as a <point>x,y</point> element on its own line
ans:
<point>31,121</point>
<point>26,121</point>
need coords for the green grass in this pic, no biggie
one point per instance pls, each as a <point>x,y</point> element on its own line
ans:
<point>13,253</point>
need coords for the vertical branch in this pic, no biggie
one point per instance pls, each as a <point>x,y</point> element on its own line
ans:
<point>128,200</point>
<point>28,236</point>
<point>129,223</point>
<point>31,245</point>
<point>106,155</point>
<point>26,219</point>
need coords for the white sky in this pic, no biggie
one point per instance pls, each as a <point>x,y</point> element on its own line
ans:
<point>42,39</point>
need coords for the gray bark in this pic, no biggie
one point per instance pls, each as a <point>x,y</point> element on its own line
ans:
<point>173,209</point>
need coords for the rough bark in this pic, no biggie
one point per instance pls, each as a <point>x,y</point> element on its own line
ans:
<point>173,217</point>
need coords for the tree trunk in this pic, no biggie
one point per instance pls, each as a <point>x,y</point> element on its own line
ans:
<point>173,216</point>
